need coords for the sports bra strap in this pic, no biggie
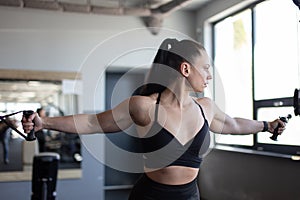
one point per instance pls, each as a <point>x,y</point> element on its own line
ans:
<point>201,110</point>
<point>158,98</point>
<point>156,107</point>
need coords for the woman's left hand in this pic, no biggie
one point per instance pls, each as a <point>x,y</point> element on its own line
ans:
<point>276,123</point>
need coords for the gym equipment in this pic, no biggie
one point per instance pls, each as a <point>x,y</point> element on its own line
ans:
<point>297,102</point>
<point>289,116</point>
<point>30,136</point>
<point>297,3</point>
<point>44,176</point>
<point>285,120</point>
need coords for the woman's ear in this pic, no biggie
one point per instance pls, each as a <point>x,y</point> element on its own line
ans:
<point>185,69</point>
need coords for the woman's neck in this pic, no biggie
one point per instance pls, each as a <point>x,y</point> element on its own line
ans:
<point>176,95</point>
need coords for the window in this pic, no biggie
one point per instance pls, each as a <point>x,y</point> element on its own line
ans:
<point>256,53</point>
<point>233,54</point>
<point>276,53</point>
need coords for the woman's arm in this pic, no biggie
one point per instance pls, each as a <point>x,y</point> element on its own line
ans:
<point>105,122</point>
<point>222,123</point>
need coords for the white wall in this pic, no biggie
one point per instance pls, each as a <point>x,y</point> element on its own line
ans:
<point>33,39</point>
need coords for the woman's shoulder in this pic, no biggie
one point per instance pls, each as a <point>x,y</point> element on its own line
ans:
<point>143,101</point>
<point>207,105</point>
<point>205,101</point>
<point>140,107</point>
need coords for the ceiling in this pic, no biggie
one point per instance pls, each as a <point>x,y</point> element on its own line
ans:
<point>114,7</point>
<point>152,12</point>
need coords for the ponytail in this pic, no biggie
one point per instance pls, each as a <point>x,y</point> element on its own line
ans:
<point>162,54</point>
<point>165,66</point>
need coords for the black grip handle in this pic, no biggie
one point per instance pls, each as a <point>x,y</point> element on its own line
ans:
<point>275,134</point>
<point>31,135</point>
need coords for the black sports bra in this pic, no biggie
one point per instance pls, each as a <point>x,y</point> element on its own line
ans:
<point>162,149</point>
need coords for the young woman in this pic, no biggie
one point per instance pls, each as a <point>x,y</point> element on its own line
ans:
<point>172,125</point>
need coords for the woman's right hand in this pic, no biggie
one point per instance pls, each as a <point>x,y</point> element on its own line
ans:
<point>32,122</point>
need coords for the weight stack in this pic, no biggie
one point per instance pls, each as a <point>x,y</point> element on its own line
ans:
<point>44,176</point>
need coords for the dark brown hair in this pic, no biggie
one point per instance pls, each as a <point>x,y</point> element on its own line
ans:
<point>166,63</point>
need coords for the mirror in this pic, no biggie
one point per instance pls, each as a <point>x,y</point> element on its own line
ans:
<point>52,97</point>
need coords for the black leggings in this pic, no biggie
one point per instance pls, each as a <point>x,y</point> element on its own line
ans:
<point>147,189</point>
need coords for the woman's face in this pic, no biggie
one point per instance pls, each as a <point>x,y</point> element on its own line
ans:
<point>200,73</point>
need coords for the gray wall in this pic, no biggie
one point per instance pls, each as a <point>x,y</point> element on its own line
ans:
<point>241,176</point>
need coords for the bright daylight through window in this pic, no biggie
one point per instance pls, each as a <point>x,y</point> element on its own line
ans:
<point>260,70</point>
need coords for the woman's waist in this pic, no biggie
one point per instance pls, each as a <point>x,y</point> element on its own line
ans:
<point>173,175</point>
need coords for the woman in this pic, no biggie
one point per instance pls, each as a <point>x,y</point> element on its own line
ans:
<point>172,125</point>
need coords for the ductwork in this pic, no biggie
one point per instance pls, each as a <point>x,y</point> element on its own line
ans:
<point>152,17</point>
<point>155,19</point>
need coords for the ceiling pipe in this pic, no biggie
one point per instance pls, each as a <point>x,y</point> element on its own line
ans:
<point>140,12</point>
<point>15,3</point>
<point>71,7</point>
<point>171,6</point>
<point>48,5</point>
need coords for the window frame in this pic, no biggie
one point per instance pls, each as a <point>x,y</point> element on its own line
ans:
<point>272,149</point>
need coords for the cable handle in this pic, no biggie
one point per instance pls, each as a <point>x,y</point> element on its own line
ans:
<point>30,135</point>
<point>285,120</point>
